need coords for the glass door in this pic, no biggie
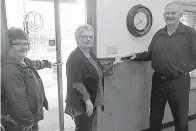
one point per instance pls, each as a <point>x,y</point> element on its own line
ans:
<point>37,17</point>
<point>71,15</point>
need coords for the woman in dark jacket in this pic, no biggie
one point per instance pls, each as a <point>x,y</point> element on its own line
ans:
<point>22,96</point>
<point>85,80</point>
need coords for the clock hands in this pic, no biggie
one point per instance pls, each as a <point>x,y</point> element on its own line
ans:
<point>139,22</point>
<point>142,22</point>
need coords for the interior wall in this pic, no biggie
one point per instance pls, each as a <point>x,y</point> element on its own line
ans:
<point>112,29</point>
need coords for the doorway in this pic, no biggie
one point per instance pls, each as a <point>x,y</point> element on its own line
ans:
<point>37,18</point>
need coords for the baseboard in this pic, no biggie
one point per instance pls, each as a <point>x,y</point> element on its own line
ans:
<point>171,123</point>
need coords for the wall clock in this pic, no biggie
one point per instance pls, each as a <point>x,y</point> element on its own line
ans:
<point>139,20</point>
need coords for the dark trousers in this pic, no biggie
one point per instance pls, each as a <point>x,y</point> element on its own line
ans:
<point>176,93</point>
<point>83,122</point>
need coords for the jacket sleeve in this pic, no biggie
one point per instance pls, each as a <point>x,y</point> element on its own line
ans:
<point>146,55</point>
<point>45,102</point>
<point>82,90</point>
<point>75,77</point>
<point>41,64</point>
<point>14,86</point>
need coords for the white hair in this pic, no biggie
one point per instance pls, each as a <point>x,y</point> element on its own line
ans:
<point>82,28</point>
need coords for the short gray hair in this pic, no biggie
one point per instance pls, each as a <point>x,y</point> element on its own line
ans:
<point>81,28</point>
<point>174,3</point>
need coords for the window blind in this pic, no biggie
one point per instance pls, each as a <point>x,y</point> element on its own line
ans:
<point>189,18</point>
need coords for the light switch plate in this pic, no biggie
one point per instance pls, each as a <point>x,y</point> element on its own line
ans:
<point>113,49</point>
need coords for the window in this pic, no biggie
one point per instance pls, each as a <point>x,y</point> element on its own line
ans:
<point>189,18</point>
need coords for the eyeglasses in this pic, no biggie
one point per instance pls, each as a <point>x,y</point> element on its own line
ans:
<point>21,44</point>
<point>87,36</point>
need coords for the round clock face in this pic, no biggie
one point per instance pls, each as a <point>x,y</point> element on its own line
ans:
<point>139,20</point>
